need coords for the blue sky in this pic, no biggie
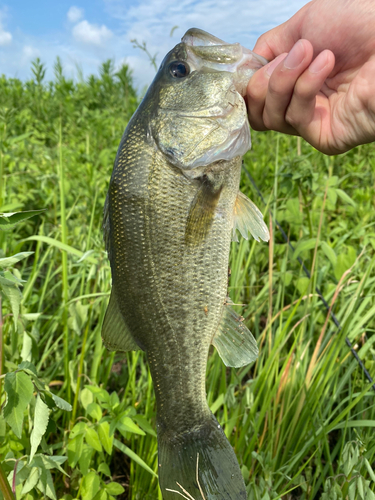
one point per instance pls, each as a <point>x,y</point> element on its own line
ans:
<point>85,33</point>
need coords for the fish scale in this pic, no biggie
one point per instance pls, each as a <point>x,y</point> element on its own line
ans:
<point>169,219</point>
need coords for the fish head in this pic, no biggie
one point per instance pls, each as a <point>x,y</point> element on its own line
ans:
<point>198,114</point>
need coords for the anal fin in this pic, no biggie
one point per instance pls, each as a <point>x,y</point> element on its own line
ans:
<point>115,333</point>
<point>234,341</point>
<point>248,219</point>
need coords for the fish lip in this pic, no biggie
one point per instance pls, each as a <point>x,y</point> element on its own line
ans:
<point>198,38</point>
<point>205,51</point>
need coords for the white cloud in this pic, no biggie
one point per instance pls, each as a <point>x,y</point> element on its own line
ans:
<point>75,14</point>
<point>5,37</point>
<point>91,33</point>
<point>152,20</point>
<point>30,52</point>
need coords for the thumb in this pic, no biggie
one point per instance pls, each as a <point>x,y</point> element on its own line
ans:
<point>282,38</point>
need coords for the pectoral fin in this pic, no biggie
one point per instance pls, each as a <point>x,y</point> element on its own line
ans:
<point>233,341</point>
<point>115,333</point>
<point>248,219</point>
<point>201,215</point>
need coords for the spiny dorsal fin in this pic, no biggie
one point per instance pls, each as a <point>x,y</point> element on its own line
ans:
<point>233,341</point>
<point>248,219</point>
<point>201,215</point>
<point>115,333</point>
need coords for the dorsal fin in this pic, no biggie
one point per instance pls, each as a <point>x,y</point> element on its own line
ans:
<point>234,341</point>
<point>248,219</point>
<point>115,333</point>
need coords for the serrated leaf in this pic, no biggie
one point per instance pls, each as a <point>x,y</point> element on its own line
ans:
<point>9,220</point>
<point>133,456</point>
<point>41,416</point>
<point>19,389</point>
<point>31,481</point>
<point>89,486</point>
<point>114,488</point>
<point>61,403</point>
<point>13,259</point>
<point>92,439</point>
<point>105,438</point>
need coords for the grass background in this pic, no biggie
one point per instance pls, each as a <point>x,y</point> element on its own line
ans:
<point>301,419</point>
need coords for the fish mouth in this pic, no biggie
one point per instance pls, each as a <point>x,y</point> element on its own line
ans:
<point>208,52</point>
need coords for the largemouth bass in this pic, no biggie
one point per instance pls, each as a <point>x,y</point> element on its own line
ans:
<point>172,208</point>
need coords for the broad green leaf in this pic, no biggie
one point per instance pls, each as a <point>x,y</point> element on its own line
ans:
<point>31,481</point>
<point>28,367</point>
<point>304,245</point>
<point>302,284</point>
<point>14,296</point>
<point>92,439</point>
<point>9,220</point>
<point>101,495</point>
<point>126,424</point>
<point>86,397</point>
<point>103,467</point>
<point>10,261</point>
<point>105,438</point>
<point>94,410</point>
<point>114,488</point>
<point>61,246</point>
<point>329,253</point>
<point>79,428</point>
<point>345,197</point>
<point>146,426</point>
<point>45,484</point>
<point>89,486</point>
<point>101,394</point>
<point>75,448</point>
<point>41,417</point>
<point>19,389</point>
<point>85,460</point>
<point>133,456</point>
<point>332,195</point>
<point>61,403</point>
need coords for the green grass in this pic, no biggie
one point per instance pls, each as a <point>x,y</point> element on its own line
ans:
<point>301,419</point>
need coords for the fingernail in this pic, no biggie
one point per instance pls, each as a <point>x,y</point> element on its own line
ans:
<point>319,63</point>
<point>272,65</point>
<point>295,56</point>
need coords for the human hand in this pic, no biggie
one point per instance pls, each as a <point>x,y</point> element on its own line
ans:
<point>320,83</point>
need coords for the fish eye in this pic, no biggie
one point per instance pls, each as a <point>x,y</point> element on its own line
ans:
<point>179,69</point>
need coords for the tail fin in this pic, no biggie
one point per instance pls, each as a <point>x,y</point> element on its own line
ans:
<point>200,463</point>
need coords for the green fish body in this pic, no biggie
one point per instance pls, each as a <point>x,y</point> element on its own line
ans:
<point>172,208</point>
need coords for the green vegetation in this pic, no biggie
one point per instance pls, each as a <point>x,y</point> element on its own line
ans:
<point>77,421</point>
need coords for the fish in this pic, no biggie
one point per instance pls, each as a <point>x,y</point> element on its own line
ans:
<point>173,206</point>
